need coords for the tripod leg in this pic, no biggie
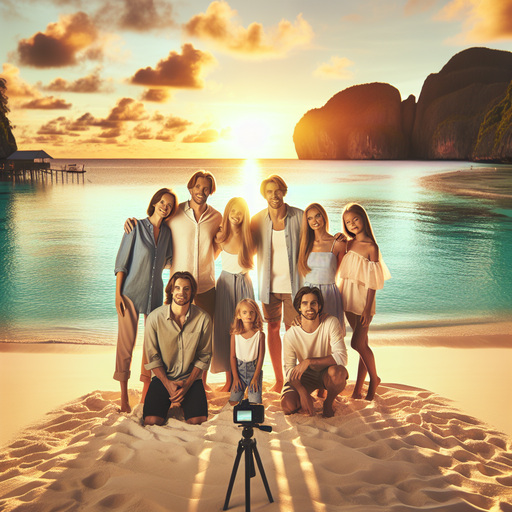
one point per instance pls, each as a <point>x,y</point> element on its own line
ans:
<point>239,451</point>
<point>262,472</point>
<point>248,460</point>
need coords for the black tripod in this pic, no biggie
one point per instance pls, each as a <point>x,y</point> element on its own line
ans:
<point>248,445</point>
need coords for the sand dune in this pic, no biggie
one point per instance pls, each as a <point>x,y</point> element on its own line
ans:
<point>410,449</point>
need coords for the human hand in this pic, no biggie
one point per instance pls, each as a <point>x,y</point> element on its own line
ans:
<point>340,237</point>
<point>129,225</point>
<point>181,390</point>
<point>254,386</point>
<point>306,402</point>
<point>366,318</point>
<point>296,321</point>
<point>297,372</point>
<point>120,305</point>
<point>237,384</point>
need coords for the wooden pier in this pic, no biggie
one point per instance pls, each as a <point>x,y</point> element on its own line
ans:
<point>36,166</point>
<point>65,174</point>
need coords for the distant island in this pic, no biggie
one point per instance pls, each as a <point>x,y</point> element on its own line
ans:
<point>464,112</point>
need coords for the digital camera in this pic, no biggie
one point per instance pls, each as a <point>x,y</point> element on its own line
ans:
<point>246,413</point>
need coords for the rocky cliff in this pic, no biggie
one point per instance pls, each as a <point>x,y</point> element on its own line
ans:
<point>361,122</point>
<point>464,112</point>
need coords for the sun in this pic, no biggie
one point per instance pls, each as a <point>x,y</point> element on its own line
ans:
<point>251,137</point>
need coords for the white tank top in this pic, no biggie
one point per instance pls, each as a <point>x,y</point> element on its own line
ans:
<point>280,281</point>
<point>247,349</point>
<point>230,263</point>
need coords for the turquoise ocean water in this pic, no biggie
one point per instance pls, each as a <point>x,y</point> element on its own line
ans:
<point>450,256</point>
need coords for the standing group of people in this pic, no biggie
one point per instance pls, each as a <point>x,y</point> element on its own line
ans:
<point>306,275</point>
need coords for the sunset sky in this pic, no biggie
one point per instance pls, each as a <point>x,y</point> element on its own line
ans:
<point>199,79</point>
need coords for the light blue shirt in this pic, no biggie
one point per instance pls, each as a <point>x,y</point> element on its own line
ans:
<point>143,262</point>
<point>262,233</point>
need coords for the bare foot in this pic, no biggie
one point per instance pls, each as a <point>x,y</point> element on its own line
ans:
<point>320,393</point>
<point>328,411</point>
<point>125,407</point>
<point>356,396</point>
<point>277,387</point>
<point>372,388</point>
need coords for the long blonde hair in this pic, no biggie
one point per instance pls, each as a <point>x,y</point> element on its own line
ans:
<point>358,210</point>
<point>307,237</point>
<point>246,254</point>
<point>237,327</point>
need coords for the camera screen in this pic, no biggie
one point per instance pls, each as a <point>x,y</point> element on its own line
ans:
<point>243,415</point>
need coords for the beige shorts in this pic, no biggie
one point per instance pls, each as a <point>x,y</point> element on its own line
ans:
<point>272,312</point>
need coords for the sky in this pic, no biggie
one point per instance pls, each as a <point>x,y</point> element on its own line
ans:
<point>221,79</point>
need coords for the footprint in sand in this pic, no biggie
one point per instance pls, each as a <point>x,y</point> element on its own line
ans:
<point>114,501</point>
<point>118,453</point>
<point>96,480</point>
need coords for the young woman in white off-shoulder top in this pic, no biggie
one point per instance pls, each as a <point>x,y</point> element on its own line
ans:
<point>361,273</point>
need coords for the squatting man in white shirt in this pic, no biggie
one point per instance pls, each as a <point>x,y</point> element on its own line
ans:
<point>320,351</point>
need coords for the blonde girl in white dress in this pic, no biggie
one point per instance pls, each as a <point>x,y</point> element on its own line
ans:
<point>361,273</point>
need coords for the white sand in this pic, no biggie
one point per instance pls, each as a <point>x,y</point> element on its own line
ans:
<point>407,450</point>
<point>410,449</point>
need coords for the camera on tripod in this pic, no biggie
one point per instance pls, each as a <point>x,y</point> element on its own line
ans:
<point>245,413</point>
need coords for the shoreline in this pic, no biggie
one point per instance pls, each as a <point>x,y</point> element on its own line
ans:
<point>473,183</point>
<point>471,369</point>
<point>457,333</point>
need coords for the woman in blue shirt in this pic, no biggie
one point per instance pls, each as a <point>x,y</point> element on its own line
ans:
<point>142,256</point>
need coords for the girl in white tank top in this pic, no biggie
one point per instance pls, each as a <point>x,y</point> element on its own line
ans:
<point>247,352</point>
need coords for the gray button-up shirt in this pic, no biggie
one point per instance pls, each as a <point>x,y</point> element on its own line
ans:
<point>262,233</point>
<point>178,349</point>
<point>143,262</point>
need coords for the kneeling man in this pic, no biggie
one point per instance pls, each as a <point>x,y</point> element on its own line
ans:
<point>177,341</point>
<point>320,350</point>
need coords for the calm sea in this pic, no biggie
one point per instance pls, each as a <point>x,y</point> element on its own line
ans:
<point>450,257</point>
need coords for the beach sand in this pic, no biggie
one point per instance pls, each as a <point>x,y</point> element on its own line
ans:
<point>410,449</point>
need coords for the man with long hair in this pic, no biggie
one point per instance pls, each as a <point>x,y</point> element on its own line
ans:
<point>177,341</point>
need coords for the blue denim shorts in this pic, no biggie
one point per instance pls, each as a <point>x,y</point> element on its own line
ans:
<point>246,371</point>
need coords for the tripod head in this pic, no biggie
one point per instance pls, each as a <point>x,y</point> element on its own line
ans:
<point>248,430</point>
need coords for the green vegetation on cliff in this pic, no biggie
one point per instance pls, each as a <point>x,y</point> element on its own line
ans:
<point>498,118</point>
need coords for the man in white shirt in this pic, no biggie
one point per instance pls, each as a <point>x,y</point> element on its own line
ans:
<point>320,351</point>
<point>193,230</point>
<point>276,234</point>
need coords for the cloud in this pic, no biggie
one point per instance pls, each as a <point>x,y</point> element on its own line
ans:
<point>65,43</point>
<point>483,20</point>
<point>128,109</point>
<point>155,95</point>
<point>218,25</point>
<point>54,127</point>
<point>111,134</point>
<point>209,135</point>
<point>16,86</point>
<point>136,15</point>
<point>88,84</point>
<point>165,136</point>
<point>180,71</point>
<point>336,69</point>
<point>47,103</point>
<point>176,124</point>
<point>142,132</point>
<point>417,6</point>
